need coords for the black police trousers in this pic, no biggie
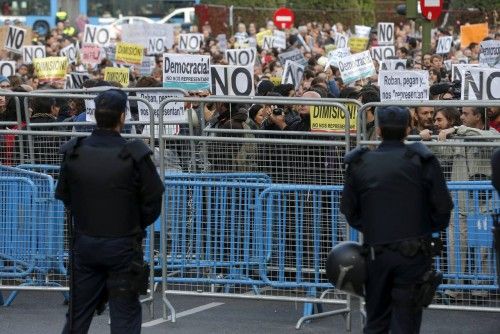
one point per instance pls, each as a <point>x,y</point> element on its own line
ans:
<point>390,292</point>
<point>94,258</point>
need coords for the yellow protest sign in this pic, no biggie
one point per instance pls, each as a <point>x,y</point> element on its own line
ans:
<point>357,44</point>
<point>117,74</point>
<point>128,53</point>
<point>275,80</point>
<point>332,119</point>
<point>473,33</point>
<point>259,37</point>
<point>51,68</point>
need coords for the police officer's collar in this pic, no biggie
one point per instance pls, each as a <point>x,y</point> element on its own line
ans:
<point>391,144</point>
<point>106,132</point>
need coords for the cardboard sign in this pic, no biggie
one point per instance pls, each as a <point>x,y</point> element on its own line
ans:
<point>393,64</point>
<point>380,53</point>
<point>362,31</point>
<point>127,53</point>
<point>69,52</point>
<point>337,55</point>
<point>489,54</point>
<point>121,75</point>
<point>15,39</point>
<point>241,57</point>
<point>259,37</point>
<point>7,68</point>
<point>75,80</point>
<point>141,33</point>
<point>190,72</point>
<point>172,113</point>
<point>96,35</point>
<point>232,80</point>
<point>385,33</point>
<point>341,41</point>
<point>332,119</point>
<point>292,73</point>
<point>294,55</point>
<point>404,85</point>
<point>357,44</point>
<point>90,110</point>
<point>279,39</point>
<point>356,67</point>
<point>190,42</point>
<point>156,45</point>
<point>51,68</point>
<point>444,44</point>
<point>481,83</point>
<point>90,54</point>
<point>473,33</point>
<point>457,71</point>
<point>31,52</point>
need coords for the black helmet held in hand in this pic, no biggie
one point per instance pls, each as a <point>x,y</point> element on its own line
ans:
<point>345,268</point>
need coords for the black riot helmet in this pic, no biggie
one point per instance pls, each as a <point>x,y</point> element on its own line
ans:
<point>345,268</point>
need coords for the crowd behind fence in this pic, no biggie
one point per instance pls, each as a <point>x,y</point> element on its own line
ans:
<point>246,213</point>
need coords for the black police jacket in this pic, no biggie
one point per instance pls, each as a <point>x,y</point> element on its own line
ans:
<point>110,185</point>
<point>395,192</point>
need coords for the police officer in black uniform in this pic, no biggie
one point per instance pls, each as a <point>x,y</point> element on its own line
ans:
<point>397,197</point>
<point>113,191</point>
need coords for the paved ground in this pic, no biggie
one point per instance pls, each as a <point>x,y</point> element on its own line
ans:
<point>38,312</point>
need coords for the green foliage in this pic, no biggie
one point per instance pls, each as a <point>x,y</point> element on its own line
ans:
<point>484,5</point>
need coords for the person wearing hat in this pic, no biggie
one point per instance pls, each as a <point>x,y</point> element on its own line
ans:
<point>113,192</point>
<point>396,195</point>
<point>4,82</point>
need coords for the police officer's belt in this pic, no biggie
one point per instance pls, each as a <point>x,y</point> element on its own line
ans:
<point>409,248</point>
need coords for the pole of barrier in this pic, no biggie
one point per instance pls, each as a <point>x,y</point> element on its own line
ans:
<point>31,146</point>
<point>19,126</point>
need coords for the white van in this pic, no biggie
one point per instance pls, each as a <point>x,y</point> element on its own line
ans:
<point>180,16</point>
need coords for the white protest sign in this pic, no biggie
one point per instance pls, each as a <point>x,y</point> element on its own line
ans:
<point>232,80</point>
<point>156,45</point>
<point>336,55</point>
<point>463,60</point>
<point>173,112</point>
<point>76,80</point>
<point>15,39</point>
<point>70,52</point>
<point>393,64</point>
<point>268,43</point>
<point>140,33</point>
<point>480,83</point>
<point>279,39</point>
<point>147,65</point>
<point>222,41</point>
<point>385,33</point>
<point>341,41</point>
<point>404,85</point>
<point>90,110</point>
<point>304,44</point>
<point>96,35</point>
<point>190,72</point>
<point>447,64</point>
<point>489,54</point>
<point>292,74</point>
<point>241,57</point>
<point>190,42</point>
<point>444,44</point>
<point>380,53</point>
<point>7,68</point>
<point>362,31</point>
<point>293,55</point>
<point>457,71</point>
<point>356,67</point>
<point>33,51</point>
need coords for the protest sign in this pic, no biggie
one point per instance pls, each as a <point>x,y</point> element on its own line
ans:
<point>447,64</point>
<point>75,80</point>
<point>31,52</point>
<point>341,41</point>
<point>489,54</point>
<point>473,33</point>
<point>156,45</point>
<point>15,39</point>
<point>362,31</point>
<point>190,72</point>
<point>121,75</point>
<point>380,53</point>
<point>7,68</point>
<point>260,36</point>
<point>404,85</point>
<point>51,68</point>
<point>329,48</point>
<point>393,64</point>
<point>109,51</point>
<point>303,42</point>
<point>173,112</point>
<point>241,57</point>
<point>147,65</point>
<point>292,74</point>
<point>444,44</point>
<point>232,80</point>
<point>357,44</point>
<point>96,35</point>
<point>222,41</point>
<point>480,83</point>
<point>292,55</point>
<point>356,67</point>
<point>463,60</point>
<point>332,119</point>
<point>336,55</point>
<point>268,43</point>
<point>90,54</point>
<point>90,110</point>
<point>190,42</point>
<point>385,33</point>
<point>457,71</point>
<point>69,52</point>
<point>279,39</point>
<point>140,33</point>
<point>127,53</point>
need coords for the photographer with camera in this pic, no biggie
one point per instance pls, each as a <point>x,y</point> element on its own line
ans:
<point>287,122</point>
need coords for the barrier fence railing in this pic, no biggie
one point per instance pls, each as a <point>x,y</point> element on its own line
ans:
<point>249,215</point>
